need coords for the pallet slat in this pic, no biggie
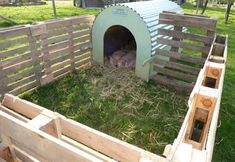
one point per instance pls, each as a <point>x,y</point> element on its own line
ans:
<point>178,66</point>
<point>184,35</point>
<point>180,56</point>
<point>173,83</point>
<point>179,44</point>
<point>176,74</point>
<point>14,42</point>
<point>188,21</point>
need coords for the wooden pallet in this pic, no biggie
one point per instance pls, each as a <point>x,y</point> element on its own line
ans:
<point>34,55</point>
<point>197,134</point>
<point>32,133</point>
<point>173,67</point>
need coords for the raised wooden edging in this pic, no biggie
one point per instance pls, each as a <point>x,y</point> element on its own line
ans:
<point>35,55</point>
<point>48,136</point>
<point>204,105</point>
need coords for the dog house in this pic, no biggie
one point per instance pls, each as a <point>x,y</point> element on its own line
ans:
<point>134,24</point>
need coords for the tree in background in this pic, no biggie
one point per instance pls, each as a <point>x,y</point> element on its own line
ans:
<point>204,7</point>
<point>227,13</point>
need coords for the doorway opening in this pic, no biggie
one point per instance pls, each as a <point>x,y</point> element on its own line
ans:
<point>119,47</point>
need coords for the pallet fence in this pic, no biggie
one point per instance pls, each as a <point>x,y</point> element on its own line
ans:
<point>180,66</point>
<point>35,55</point>
<point>31,133</point>
<point>197,134</point>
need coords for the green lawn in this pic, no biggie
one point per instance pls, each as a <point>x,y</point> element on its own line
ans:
<point>138,123</point>
<point>31,14</point>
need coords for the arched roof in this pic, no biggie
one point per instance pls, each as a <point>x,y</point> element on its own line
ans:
<point>141,19</point>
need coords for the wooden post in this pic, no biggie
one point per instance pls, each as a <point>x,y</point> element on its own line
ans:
<point>3,85</point>
<point>71,46</point>
<point>35,58</point>
<point>54,8</point>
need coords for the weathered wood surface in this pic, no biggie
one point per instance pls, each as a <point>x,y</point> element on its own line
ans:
<point>207,23</point>
<point>207,99</point>
<point>176,64</point>
<point>52,137</point>
<point>32,54</point>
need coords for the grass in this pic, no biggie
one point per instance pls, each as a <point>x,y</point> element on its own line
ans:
<point>118,103</point>
<point>145,119</point>
<point>31,14</point>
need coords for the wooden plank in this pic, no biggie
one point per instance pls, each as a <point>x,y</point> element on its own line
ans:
<point>19,66</point>
<point>57,39</point>
<point>62,71</point>
<point>178,66</point>
<point>79,27</point>
<point>82,46</point>
<point>173,48</point>
<point>180,56</point>
<point>22,82</point>
<point>59,59</point>
<point>14,114</point>
<point>88,19</point>
<point>16,59</point>
<point>24,88</point>
<point>14,32</point>
<point>71,47</point>
<point>9,43</point>
<point>173,83</point>
<point>184,35</point>
<point>68,21</point>
<point>56,32</point>
<point>83,61</point>
<point>99,141</point>
<point>61,23</point>
<point>83,56</point>
<point>58,66</point>
<point>20,106</point>
<point>188,21</point>
<point>179,44</point>
<point>37,30</point>
<point>23,156</point>
<point>36,54</point>
<point>82,33</point>
<point>87,149</point>
<point>14,51</point>
<point>212,35</point>
<point>41,143</point>
<point>176,74</point>
<point>86,38</point>
<point>57,46</point>
<point>56,54</point>
<point>20,75</point>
